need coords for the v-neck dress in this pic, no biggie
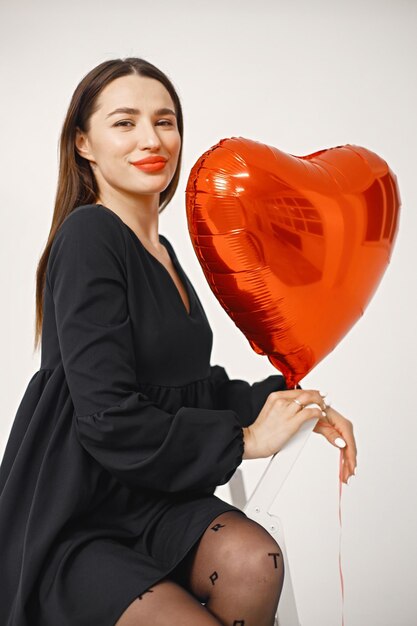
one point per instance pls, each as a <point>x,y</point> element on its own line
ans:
<point>122,435</point>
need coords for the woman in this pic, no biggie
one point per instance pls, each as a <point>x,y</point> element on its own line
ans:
<point>107,507</point>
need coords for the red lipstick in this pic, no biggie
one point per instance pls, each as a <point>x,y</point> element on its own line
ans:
<point>151,164</point>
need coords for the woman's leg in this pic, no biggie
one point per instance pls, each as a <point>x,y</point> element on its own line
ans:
<point>166,604</point>
<point>237,569</point>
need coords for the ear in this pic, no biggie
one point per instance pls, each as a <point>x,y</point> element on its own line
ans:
<point>82,144</point>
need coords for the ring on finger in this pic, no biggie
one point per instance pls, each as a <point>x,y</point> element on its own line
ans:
<point>299,403</point>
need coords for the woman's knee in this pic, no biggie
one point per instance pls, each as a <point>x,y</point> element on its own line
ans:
<point>235,551</point>
<point>257,558</point>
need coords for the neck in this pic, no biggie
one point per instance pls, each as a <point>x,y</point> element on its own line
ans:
<point>141,213</point>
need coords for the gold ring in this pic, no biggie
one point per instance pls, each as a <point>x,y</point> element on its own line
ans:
<point>299,403</point>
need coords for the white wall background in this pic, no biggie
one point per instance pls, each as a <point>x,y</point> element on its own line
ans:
<point>301,75</point>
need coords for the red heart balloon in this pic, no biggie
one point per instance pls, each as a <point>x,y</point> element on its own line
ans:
<point>292,247</point>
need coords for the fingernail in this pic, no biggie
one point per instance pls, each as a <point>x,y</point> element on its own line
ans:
<point>323,393</point>
<point>348,479</point>
<point>340,442</point>
<point>324,413</point>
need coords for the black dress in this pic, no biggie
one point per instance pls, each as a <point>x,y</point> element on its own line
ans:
<point>122,435</point>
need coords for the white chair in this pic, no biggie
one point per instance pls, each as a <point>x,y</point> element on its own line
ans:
<point>257,507</point>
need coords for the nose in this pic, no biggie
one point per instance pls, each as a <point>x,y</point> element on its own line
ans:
<point>148,138</point>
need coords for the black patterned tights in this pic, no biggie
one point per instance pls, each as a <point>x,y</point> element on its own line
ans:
<point>233,576</point>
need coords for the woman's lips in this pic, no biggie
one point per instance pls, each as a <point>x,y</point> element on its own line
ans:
<point>150,167</point>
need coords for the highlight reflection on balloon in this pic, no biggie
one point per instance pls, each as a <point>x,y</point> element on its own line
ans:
<point>292,247</point>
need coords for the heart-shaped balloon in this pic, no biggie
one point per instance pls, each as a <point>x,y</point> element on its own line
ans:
<point>292,247</point>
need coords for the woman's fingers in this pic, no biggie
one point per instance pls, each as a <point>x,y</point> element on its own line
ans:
<point>301,397</point>
<point>336,426</point>
<point>299,405</point>
<point>332,435</point>
<point>313,411</point>
<point>345,428</point>
<point>337,429</point>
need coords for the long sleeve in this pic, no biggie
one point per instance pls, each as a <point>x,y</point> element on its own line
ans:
<point>244,398</point>
<point>140,444</point>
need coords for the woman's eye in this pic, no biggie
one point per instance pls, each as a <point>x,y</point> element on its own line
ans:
<point>167,122</point>
<point>123,123</point>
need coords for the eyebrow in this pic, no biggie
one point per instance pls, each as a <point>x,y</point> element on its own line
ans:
<point>131,111</point>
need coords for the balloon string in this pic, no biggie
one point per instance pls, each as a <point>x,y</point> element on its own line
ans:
<point>326,424</point>
<point>340,534</point>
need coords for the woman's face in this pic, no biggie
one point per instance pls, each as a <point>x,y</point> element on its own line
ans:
<point>116,139</point>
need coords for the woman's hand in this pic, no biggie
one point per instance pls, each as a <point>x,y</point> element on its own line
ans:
<point>334,426</point>
<point>280,418</point>
<point>283,414</point>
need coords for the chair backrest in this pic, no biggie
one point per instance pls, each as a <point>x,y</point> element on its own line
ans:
<point>258,506</point>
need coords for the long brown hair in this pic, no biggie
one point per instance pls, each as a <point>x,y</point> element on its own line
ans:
<point>76,182</point>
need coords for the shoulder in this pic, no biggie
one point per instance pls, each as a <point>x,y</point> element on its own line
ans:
<point>89,237</point>
<point>91,222</point>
